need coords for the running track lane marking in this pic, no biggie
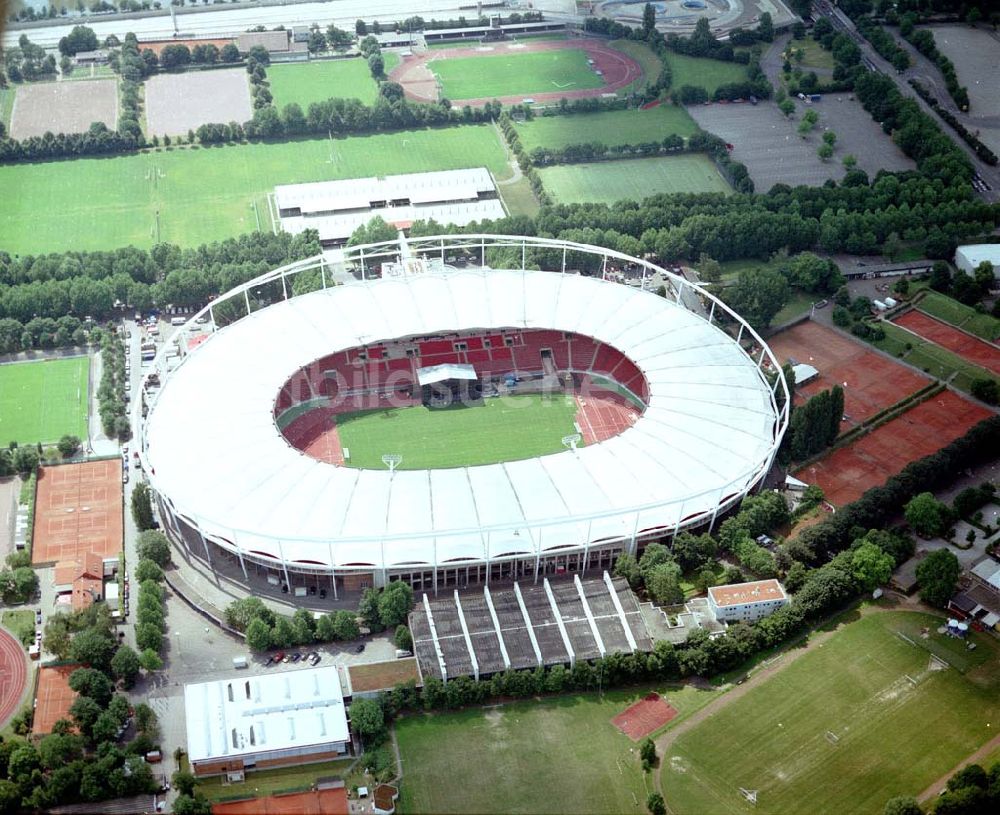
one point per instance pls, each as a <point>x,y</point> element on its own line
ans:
<point>13,675</point>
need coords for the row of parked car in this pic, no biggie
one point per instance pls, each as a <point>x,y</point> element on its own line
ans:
<point>281,657</point>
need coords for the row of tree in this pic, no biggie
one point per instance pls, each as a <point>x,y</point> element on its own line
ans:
<point>815,425</point>
<point>923,40</point>
<point>972,139</point>
<point>153,550</point>
<point>111,402</point>
<point>883,42</point>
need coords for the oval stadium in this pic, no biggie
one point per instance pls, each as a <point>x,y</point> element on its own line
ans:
<point>453,410</point>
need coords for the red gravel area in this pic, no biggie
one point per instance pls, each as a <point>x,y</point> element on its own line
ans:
<point>970,348</point>
<point>13,675</point>
<point>847,472</point>
<point>618,71</point>
<point>871,382</point>
<point>644,717</point>
<point>603,417</point>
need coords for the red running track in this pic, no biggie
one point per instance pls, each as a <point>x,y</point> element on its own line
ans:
<point>617,69</point>
<point>970,348</point>
<point>603,417</point>
<point>13,675</point>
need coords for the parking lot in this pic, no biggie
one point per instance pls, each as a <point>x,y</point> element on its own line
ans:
<point>773,151</point>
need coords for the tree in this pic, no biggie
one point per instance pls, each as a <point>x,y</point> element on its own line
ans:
<point>758,295</point>
<point>18,585</point>
<point>937,575</point>
<point>367,718</point>
<point>142,507</point>
<point>105,728</point>
<point>229,53</point>
<point>394,604</point>
<point>849,161</point>
<point>196,804</point>
<point>648,19</point>
<point>25,460</point>
<point>56,635</point>
<point>663,584</point>
<point>92,683</point>
<point>150,660</point>
<point>902,805</point>
<point>647,753</point>
<point>360,28</point>
<point>258,635</point>
<point>84,712</point>
<point>93,646</point>
<point>154,546</point>
<point>81,38</point>
<point>68,446</point>
<point>786,106</point>
<point>871,566</point>
<point>376,64</point>
<point>304,627</point>
<point>57,749</point>
<point>147,570</point>
<point>927,516</point>
<point>626,566</point>
<point>145,719</point>
<point>655,804</point>
<point>403,639</point>
<point>125,665</point>
<point>240,612</point>
<point>149,636</point>
<point>184,782</point>
<point>345,626</point>
<point>986,390</point>
<point>825,152</point>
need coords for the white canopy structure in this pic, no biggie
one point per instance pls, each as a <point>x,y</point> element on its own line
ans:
<point>219,464</point>
<point>442,373</point>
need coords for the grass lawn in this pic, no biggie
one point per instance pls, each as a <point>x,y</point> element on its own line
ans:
<point>610,128</point>
<point>631,179</point>
<point>519,198</point>
<point>930,358</point>
<point>965,317</point>
<point>702,73</point>
<point>513,74</point>
<point>553,756</point>
<point>503,429</point>
<point>261,783</point>
<point>799,302</point>
<point>21,624</point>
<point>732,269</point>
<point>849,725</point>
<point>209,194</point>
<point>648,60</point>
<point>318,80</point>
<point>43,401</point>
<point>813,54</point>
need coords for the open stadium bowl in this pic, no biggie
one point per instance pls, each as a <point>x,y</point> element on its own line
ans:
<point>224,474</point>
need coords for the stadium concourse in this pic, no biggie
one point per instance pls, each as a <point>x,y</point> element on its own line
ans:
<point>707,422</point>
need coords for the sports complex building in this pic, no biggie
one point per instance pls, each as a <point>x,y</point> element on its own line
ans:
<point>239,435</point>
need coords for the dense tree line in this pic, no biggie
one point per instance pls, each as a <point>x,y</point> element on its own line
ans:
<point>970,791</point>
<point>923,40</point>
<point>112,405</point>
<point>44,332</point>
<point>28,61</point>
<point>816,424</point>
<point>970,138</point>
<point>883,42</point>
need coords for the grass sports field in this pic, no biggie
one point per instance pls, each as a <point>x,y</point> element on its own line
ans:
<point>865,717</point>
<point>702,73</point>
<point>947,310</point>
<point>504,429</point>
<point>554,756</point>
<point>610,128</point>
<point>206,194</point>
<point>43,401</point>
<point>308,82</point>
<point>510,74</point>
<point>609,181</point>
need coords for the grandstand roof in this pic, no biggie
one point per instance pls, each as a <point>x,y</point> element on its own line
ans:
<point>705,436</point>
<point>252,714</point>
<point>442,373</point>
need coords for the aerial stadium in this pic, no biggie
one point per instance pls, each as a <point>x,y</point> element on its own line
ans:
<point>453,410</point>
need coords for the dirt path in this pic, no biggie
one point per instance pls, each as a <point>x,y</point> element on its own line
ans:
<point>974,758</point>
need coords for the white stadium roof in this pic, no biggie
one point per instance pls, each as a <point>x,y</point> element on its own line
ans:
<point>215,453</point>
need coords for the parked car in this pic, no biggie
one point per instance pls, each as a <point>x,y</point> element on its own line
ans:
<point>38,616</point>
<point>280,657</point>
<point>296,657</point>
<point>314,658</point>
<point>269,662</point>
<point>360,648</point>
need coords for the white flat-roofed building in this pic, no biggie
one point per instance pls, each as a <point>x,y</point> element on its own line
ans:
<point>336,208</point>
<point>746,602</point>
<point>253,722</point>
<point>968,257</point>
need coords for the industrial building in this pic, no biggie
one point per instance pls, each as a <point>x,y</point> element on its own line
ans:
<point>968,257</point>
<point>242,723</point>
<point>336,208</point>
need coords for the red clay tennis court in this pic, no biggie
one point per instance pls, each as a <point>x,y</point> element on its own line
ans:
<point>13,675</point>
<point>314,802</point>
<point>78,509</point>
<point>644,717</point>
<point>846,473</point>
<point>968,347</point>
<point>873,382</point>
<point>54,697</point>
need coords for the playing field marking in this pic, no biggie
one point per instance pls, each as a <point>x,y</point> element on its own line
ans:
<point>565,85</point>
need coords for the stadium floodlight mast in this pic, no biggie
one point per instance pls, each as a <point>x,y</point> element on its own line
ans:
<point>571,441</point>
<point>392,461</point>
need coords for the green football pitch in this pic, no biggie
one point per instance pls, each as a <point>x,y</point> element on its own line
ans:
<point>316,81</point>
<point>702,73</point>
<point>610,128</point>
<point>606,182</point>
<point>43,401</point>
<point>514,74</point>
<point>194,196</point>
<point>503,429</point>
<point>558,755</point>
<point>864,717</point>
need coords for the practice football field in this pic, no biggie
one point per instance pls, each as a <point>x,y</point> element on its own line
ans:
<point>557,755</point>
<point>609,127</point>
<point>565,69</point>
<point>866,716</point>
<point>316,81</point>
<point>605,182</point>
<point>43,401</point>
<point>502,429</point>
<point>194,196</point>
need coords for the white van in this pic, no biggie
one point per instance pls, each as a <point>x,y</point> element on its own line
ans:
<point>177,320</point>
<point>240,662</point>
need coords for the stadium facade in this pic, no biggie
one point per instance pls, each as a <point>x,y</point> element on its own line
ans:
<point>232,483</point>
